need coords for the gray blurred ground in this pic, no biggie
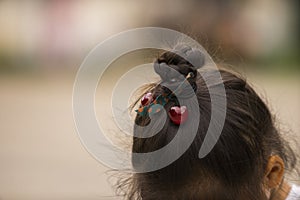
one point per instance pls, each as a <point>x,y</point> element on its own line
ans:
<point>41,156</point>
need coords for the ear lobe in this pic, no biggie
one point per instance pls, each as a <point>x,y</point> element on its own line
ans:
<point>274,172</point>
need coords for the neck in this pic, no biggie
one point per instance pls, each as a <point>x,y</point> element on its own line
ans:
<point>282,192</point>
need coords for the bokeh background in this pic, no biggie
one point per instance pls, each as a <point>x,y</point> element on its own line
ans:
<point>42,44</point>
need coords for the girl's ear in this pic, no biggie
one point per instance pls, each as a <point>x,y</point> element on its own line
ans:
<point>274,172</point>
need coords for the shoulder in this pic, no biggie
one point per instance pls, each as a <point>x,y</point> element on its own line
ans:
<point>294,193</point>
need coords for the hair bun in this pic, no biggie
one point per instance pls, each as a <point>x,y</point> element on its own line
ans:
<point>194,56</point>
<point>182,60</point>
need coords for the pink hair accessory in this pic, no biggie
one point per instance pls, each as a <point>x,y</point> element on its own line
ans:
<point>178,115</point>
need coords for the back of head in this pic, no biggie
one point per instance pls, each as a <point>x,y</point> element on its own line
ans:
<point>235,167</point>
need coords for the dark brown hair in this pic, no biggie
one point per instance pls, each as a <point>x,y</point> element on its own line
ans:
<point>235,167</point>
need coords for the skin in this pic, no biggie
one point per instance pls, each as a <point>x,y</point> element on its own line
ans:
<point>283,193</point>
<point>276,187</point>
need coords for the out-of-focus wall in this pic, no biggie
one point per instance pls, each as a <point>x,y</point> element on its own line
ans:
<point>49,33</point>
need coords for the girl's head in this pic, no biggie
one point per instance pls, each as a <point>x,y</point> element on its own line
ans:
<point>248,160</point>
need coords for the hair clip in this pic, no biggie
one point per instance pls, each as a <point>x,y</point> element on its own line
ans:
<point>149,105</point>
<point>147,99</point>
<point>178,115</point>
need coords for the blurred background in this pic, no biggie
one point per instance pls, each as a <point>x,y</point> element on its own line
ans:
<point>42,44</point>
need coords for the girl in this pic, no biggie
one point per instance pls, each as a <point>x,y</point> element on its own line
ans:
<point>249,160</point>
